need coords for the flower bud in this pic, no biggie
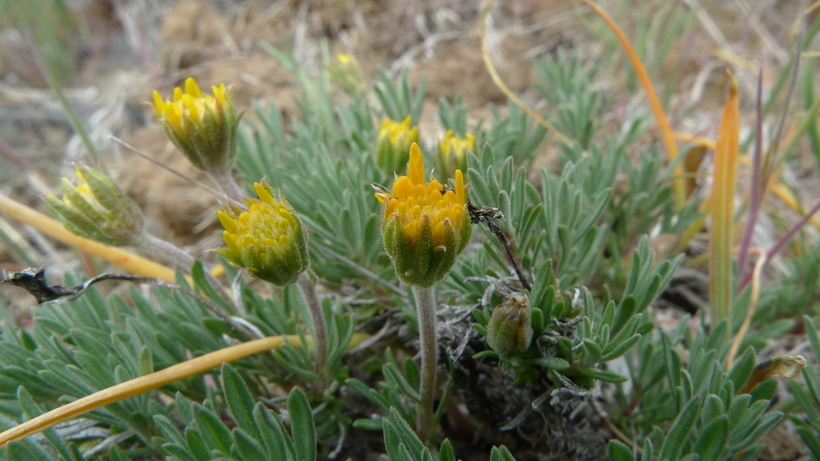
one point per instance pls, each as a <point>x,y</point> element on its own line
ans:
<point>424,225</point>
<point>267,239</point>
<point>346,73</point>
<point>451,153</point>
<point>510,327</point>
<point>98,209</point>
<point>393,144</point>
<point>203,127</point>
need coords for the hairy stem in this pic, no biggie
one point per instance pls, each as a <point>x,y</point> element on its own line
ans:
<point>308,288</point>
<point>180,258</point>
<point>426,304</point>
<point>228,186</point>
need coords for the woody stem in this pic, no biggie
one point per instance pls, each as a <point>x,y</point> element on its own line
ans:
<point>426,304</point>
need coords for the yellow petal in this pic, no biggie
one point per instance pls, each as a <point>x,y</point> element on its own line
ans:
<point>263,194</point>
<point>220,93</point>
<point>415,169</point>
<point>230,241</point>
<point>227,222</point>
<point>192,106</point>
<point>192,88</point>
<point>402,187</point>
<point>159,105</point>
<point>461,195</point>
<point>173,115</point>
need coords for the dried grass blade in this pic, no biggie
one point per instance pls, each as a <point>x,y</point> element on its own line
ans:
<point>722,210</point>
<point>153,381</point>
<point>485,54</point>
<point>667,135</point>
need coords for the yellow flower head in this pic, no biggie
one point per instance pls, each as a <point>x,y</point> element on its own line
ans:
<point>201,125</point>
<point>425,224</point>
<point>267,239</point>
<point>451,153</point>
<point>96,208</point>
<point>346,73</point>
<point>393,144</point>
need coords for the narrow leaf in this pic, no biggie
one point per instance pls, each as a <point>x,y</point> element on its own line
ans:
<point>713,439</point>
<point>679,433</point>
<point>722,207</point>
<point>304,431</point>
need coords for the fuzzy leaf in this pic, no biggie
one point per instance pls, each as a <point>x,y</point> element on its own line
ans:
<point>680,430</point>
<point>239,400</point>
<point>712,408</point>
<point>501,454</point>
<point>712,439</point>
<point>273,435</point>
<point>605,376</point>
<point>213,431</point>
<point>742,368</point>
<point>405,432</point>
<point>247,446</point>
<point>621,348</point>
<point>617,451</point>
<point>302,426</point>
<point>445,453</point>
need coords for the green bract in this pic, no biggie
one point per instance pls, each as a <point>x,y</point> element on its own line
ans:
<point>203,127</point>
<point>425,225</point>
<point>510,327</point>
<point>98,209</point>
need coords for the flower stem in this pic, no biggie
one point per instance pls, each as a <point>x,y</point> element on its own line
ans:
<point>228,186</point>
<point>180,258</point>
<point>426,304</point>
<point>308,288</point>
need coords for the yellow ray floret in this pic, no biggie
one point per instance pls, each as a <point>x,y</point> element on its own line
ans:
<point>202,126</point>
<point>190,104</point>
<point>413,202</point>
<point>425,225</point>
<point>267,238</point>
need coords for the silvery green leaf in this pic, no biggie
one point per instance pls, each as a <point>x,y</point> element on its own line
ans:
<point>240,400</point>
<point>712,439</point>
<point>501,453</point>
<point>247,446</point>
<point>617,451</point>
<point>679,432</point>
<point>213,431</point>
<point>302,426</point>
<point>445,453</point>
<point>742,368</point>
